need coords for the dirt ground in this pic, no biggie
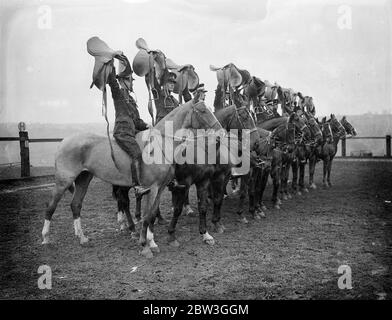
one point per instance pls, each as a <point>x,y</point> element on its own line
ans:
<point>293,253</point>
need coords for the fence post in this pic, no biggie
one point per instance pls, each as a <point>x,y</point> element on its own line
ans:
<point>24,153</point>
<point>343,147</point>
<point>388,141</point>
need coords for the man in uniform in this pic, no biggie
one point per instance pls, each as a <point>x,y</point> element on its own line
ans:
<point>127,120</point>
<point>199,94</point>
<point>165,104</point>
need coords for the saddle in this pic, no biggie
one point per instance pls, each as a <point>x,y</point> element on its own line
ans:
<point>231,75</point>
<point>186,77</point>
<point>150,64</point>
<point>256,88</point>
<point>103,66</point>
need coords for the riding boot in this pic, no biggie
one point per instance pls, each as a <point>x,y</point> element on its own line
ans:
<point>139,190</point>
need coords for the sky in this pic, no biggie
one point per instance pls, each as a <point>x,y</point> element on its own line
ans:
<point>338,52</point>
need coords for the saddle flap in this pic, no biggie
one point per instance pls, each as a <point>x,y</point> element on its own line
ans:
<point>141,63</point>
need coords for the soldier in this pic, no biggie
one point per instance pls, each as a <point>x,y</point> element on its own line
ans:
<point>165,104</point>
<point>199,94</point>
<point>127,120</point>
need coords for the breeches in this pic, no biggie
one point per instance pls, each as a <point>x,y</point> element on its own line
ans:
<point>129,145</point>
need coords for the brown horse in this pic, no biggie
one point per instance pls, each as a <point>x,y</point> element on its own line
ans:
<point>332,131</point>
<point>83,156</point>
<point>306,152</point>
<point>209,178</point>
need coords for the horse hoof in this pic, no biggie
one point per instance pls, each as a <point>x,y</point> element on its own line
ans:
<point>289,196</point>
<point>147,253</point>
<point>155,249</point>
<point>45,241</point>
<point>210,242</point>
<point>279,202</point>
<point>264,208</point>
<point>225,196</point>
<point>83,240</point>
<point>256,216</point>
<point>277,207</point>
<point>219,229</point>
<point>243,220</point>
<point>188,210</point>
<point>313,186</point>
<point>174,243</point>
<point>305,190</point>
<point>285,198</point>
<point>299,193</point>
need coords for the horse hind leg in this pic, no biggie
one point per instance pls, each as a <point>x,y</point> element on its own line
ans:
<point>61,185</point>
<point>81,184</point>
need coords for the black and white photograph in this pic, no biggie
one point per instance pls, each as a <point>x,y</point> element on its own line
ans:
<point>195,150</point>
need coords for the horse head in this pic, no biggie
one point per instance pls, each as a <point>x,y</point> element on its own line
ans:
<point>314,128</point>
<point>337,128</point>
<point>350,130</point>
<point>326,130</point>
<point>300,124</point>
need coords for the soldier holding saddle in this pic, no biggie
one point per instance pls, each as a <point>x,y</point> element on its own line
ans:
<point>165,103</point>
<point>128,120</point>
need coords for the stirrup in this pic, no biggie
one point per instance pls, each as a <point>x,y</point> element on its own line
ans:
<point>140,191</point>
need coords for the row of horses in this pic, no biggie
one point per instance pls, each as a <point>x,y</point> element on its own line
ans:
<point>276,146</point>
<point>83,156</point>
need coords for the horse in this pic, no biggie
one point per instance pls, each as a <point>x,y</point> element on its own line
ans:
<point>261,159</point>
<point>306,152</point>
<point>81,157</point>
<point>285,154</point>
<point>209,178</point>
<point>332,131</point>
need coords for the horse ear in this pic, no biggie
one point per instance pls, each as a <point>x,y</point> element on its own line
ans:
<point>323,120</point>
<point>344,118</point>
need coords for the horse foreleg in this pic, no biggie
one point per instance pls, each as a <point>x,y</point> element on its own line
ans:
<point>275,175</point>
<point>294,182</point>
<point>178,199</point>
<point>312,167</point>
<point>263,183</point>
<point>329,173</point>
<point>202,196</point>
<point>146,234</point>
<point>244,189</point>
<point>283,181</point>
<point>325,169</point>
<point>217,195</point>
<point>58,191</point>
<point>187,207</point>
<point>121,194</point>
<point>81,185</point>
<point>302,177</point>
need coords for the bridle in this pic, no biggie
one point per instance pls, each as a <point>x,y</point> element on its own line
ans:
<point>239,119</point>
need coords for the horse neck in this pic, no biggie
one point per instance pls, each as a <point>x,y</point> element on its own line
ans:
<point>274,123</point>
